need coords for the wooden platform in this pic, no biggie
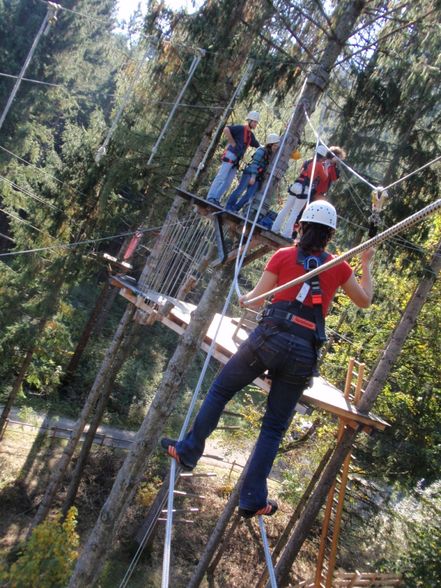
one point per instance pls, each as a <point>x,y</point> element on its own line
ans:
<point>261,236</point>
<point>321,395</point>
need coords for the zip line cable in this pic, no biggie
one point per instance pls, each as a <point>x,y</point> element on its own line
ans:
<point>412,173</point>
<point>5,75</point>
<point>355,173</point>
<point>40,169</point>
<point>22,220</point>
<point>31,194</point>
<point>387,234</point>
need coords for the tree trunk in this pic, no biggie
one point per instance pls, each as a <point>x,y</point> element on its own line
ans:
<point>94,394</point>
<point>344,18</point>
<point>373,389</point>
<point>131,333</point>
<point>91,561</point>
<point>20,378</point>
<point>98,309</point>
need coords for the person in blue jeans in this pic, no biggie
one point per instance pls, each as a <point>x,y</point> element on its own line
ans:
<point>239,138</point>
<point>285,344</point>
<point>253,174</point>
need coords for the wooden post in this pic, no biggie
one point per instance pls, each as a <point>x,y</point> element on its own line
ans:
<point>344,472</point>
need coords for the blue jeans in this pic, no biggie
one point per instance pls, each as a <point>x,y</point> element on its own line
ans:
<point>224,178</point>
<point>290,361</point>
<point>249,194</point>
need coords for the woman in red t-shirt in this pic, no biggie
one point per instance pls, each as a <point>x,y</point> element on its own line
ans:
<point>325,173</point>
<point>285,344</point>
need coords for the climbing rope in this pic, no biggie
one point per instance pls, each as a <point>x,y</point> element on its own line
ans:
<point>387,234</point>
<point>268,559</point>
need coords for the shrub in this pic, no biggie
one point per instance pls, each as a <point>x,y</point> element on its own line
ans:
<point>47,559</point>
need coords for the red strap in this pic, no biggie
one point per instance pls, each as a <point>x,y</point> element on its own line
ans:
<point>317,299</point>
<point>303,322</point>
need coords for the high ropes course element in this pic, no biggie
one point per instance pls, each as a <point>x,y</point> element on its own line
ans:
<point>150,283</point>
<point>190,241</point>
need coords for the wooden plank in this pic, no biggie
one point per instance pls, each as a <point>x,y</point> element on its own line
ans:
<point>205,208</point>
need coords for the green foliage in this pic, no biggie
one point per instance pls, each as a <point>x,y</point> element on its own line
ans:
<point>48,558</point>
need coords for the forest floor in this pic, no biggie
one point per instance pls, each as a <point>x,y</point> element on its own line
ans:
<point>26,458</point>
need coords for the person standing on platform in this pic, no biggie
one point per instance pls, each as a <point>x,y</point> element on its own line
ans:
<point>253,174</point>
<point>286,343</point>
<point>326,172</point>
<point>239,138</point>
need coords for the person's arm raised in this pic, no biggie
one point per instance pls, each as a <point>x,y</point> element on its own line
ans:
<point>361,292</point>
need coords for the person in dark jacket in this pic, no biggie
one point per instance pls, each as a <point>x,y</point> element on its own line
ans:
<point>285,343</point>
<point>253,174</point>
<point>239,138</point>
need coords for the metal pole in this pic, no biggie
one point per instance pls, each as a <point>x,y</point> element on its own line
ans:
<point>44,29</point>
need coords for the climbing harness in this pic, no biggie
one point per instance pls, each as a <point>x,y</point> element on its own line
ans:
<point>247,136</point>
<point>305,321</point>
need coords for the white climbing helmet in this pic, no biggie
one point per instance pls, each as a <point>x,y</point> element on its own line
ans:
<point>253,115</point>
<point>321,212</point>
<point>321,150</point>
<point>272,138</point>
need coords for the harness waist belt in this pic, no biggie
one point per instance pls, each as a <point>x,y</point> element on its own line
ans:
<point>289,316</point>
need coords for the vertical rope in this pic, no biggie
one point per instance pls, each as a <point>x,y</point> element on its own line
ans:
<point>167,542</point>
<point>269,561</point>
